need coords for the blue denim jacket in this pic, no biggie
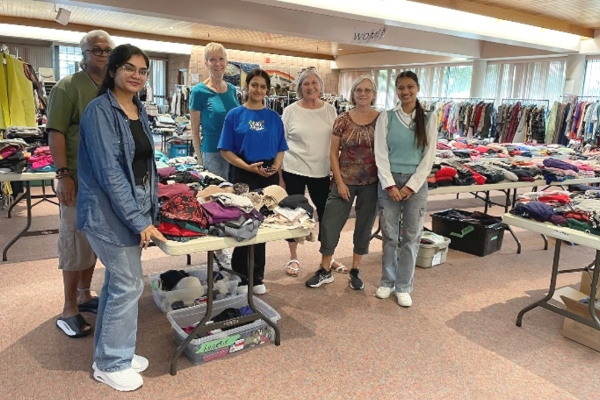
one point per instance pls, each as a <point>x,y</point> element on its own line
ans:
<point>106,202</point>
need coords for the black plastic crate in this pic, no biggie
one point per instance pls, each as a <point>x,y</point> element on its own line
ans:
<point>478,238</point>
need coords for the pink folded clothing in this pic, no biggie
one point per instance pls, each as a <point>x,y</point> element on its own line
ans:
<point>170,191</point>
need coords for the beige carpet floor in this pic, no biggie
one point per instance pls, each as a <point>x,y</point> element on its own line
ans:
<point>458,341</point>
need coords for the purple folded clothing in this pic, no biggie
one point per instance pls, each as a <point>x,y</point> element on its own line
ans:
<point>166,172</point>
<point>553,162</point>
<point>216,212</point>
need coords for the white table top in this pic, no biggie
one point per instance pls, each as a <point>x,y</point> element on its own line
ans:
<point>507,185</point>
<point>554,231</point>
<point>212,243</point>
<point>27,176</point>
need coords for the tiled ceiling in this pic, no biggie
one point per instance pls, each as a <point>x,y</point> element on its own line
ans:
<point>584,13</point>
<point>574,16</point>
<point>168,28</point>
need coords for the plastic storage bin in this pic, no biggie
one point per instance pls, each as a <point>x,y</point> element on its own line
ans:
<point>177,150</point>
<point>163,299</point>
<point>209,348</point>
<point>431,255</point>
<point>479,239</point>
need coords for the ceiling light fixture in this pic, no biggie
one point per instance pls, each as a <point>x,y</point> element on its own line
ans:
<point>62,16</point>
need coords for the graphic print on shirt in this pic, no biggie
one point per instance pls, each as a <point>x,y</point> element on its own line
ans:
<point>257,125</point>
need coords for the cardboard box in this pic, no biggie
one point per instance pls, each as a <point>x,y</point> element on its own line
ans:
<point>586,283</point>
<point>577,331</point>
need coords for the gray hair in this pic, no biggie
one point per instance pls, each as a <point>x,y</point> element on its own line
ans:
<point>357,82</point>
<point>214,48</point>
<point>302,76</point>
<point>88,39</point>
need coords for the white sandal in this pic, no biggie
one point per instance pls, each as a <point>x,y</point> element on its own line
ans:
<point>341,268</point>
<point>290,270</point>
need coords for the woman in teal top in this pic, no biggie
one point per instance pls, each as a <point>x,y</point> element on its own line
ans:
<point>405,143</point>
<point>210,101</point>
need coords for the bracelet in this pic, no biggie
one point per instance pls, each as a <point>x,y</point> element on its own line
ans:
<point>63,174</point>
<point>58,171</point>
<point>390,188</point>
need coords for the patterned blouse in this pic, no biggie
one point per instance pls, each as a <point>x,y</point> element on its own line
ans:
<point>357,157</point>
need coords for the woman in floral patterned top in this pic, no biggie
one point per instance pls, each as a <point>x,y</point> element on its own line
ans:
<point>355,172</point>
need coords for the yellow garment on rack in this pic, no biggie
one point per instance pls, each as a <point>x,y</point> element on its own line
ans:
<point>4,106</point>
<point>20,95</point>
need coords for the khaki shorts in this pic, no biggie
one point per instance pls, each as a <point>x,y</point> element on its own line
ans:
<point>74,250</point>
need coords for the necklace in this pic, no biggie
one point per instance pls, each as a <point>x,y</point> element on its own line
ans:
<point>91,79</point>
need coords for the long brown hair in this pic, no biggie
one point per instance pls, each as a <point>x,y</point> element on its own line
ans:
<point>419,120</point>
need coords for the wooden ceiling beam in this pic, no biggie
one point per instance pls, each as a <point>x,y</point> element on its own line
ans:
<point>40,23</point>
<point>511,15</point>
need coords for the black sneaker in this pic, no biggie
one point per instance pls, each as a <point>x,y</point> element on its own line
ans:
<point>355,282</point>
<point>321,276</point>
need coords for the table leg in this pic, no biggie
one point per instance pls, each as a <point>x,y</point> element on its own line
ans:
<point>487,201</point>
<point>14,203</point>
<point>542,302</point>
<point>508,228</point>
<point>592,303</point>
<point>27,195</point>
<point>201,324</point>
<point>545,242</point>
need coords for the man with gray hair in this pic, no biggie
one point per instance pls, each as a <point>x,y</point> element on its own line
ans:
<point>66,103</point>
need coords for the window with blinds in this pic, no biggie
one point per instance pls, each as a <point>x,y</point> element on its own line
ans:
<point>434,81</point>
<point>591,81</point>
<point>68,60</point>
<point>542,80</point>
<point>158,80</point>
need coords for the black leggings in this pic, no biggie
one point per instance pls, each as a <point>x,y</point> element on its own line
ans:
<point>318,188</point>
<point>239,258</point>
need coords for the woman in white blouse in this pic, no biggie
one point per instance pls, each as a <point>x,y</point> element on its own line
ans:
<point>308,126</point>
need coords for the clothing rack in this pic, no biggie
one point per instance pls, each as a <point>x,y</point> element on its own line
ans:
<point>528,101</point>
<point>456,98</point>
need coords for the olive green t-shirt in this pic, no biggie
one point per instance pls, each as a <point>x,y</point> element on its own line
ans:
<point>66,103</point>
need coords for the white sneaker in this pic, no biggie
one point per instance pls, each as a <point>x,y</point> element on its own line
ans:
<point>259,289</point>
<point>384,292</point>
<point>138,363</point>
<point>404,299</point>
<point>123,381</point>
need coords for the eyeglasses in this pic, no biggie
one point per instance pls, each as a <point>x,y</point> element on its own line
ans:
<point>97,51</point>
<point>365,91</point>
<point>131,70</point>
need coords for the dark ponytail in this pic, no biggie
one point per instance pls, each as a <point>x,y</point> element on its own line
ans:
<point>420,129</point>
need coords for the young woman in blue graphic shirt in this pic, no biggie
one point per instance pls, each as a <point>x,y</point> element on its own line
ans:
<point>253,141</point>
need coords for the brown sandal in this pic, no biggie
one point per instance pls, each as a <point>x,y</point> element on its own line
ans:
<point>291,270</point>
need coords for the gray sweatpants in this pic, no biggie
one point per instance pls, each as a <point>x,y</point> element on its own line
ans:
<point>337,211</point>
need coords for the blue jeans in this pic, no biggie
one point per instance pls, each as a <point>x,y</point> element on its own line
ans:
<point>116,322</point>
<point>398,270</point>
<point>215,163</point>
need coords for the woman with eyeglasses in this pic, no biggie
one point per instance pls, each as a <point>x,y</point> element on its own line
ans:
<point>253,142</point>
<point>354,170</point>
<point>308,124</point>
<point>405,144</point>
<point>117,208</point>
